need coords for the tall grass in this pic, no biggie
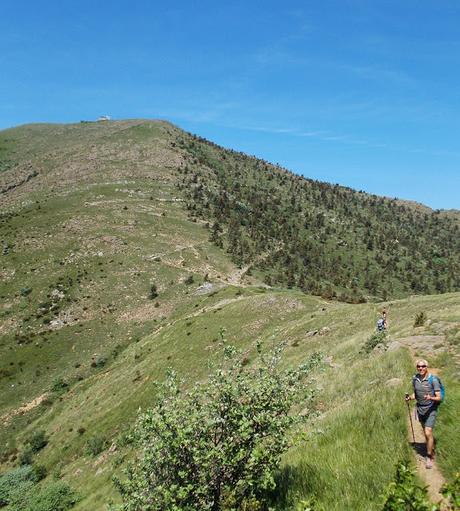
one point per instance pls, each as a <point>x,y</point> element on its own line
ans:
<point>350,456</point>
<point>447,426</point>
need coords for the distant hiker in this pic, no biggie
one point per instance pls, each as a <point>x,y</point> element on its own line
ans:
<point>384,317</point>
<point>381,326</point>
<point>382,322</point>
<point>427,392</point>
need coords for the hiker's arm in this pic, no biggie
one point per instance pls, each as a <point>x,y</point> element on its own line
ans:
<point>436,397</point>
<point>410,397</point>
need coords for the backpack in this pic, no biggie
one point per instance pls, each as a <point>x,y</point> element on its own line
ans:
<point>442,392</point>
<point>381,324</point>
<point>431,378</point>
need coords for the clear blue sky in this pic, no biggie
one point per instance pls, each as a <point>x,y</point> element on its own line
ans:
<point>357,92</point>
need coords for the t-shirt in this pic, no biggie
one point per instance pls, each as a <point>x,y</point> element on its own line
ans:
<point>422,387</point>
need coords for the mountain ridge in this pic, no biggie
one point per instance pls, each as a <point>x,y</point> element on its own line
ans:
<point>111,274</point>
<point>139,121</point>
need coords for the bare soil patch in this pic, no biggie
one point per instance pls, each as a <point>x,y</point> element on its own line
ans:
<point>6,418</point>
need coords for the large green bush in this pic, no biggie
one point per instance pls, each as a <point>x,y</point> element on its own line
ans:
<point>57,496</point>
<point>217,445</point>
<point>20,492</point>
<point>15,479</point>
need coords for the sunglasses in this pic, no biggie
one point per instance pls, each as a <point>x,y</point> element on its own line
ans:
<point>420,366</point>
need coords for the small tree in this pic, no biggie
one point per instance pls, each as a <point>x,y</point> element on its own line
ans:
<point>153,292</point>
<point>420,319</point>
<point>215,446</point>
<point>37,440</point>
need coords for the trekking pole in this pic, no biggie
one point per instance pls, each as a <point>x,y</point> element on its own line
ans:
<point>410,418</point>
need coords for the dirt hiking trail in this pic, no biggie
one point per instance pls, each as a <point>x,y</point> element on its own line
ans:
<point>432,478</point>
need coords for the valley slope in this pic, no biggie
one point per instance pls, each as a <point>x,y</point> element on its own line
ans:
<point>113,269</point>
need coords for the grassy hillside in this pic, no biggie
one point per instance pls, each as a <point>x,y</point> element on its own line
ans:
<point>325,239</point>
<point>108,279</point>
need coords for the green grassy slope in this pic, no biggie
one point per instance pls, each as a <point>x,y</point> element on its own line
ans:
<point>351,448</point>
<point>82,340</point>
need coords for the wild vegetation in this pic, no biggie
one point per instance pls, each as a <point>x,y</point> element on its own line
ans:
<point>216,446</point>
<point>109,278</point>
<point>324,239</point>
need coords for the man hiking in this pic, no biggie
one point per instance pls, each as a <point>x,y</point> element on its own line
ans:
<point>427,393</point>
<point>382,322</point>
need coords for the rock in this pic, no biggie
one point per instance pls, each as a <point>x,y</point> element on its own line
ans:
<point>424,343</point>
<point>393,382</point>
<point>311,333</point>
<point>394,345</point>
<point>380,348</point>
<point>57,294</point>
<point>205,288</point>
<point>324,331</point>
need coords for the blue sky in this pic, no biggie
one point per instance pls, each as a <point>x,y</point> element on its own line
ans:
<point>357,92</point>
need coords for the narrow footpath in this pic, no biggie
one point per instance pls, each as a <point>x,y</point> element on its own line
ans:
<point>432,478</point>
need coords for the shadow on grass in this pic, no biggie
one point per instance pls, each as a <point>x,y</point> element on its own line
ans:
<point>294,483</point>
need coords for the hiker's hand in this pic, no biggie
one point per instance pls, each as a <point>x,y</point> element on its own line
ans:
<point>407,397</point>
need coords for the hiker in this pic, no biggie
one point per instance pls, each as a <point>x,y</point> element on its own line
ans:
<point>427,393</point>
<point>381,324</point>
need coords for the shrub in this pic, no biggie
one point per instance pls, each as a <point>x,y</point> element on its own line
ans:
<point>98,361</point>
<point>57,496</point>
<point>26,456</point>
<point>420,319</point>
<point>375,339</point>
<point>451,492</point>
<point>39,472</point>
<point>7,454</point>
<point>25,291</point>
<point>95,445</point>
<point>20,496</point>
<point>405,494</point>
<point>189,280</point>
<point>117,350</point>
<point>59,385</point>
<point>217,445</point>
<point>37,440</point>
<point>153,292</point>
